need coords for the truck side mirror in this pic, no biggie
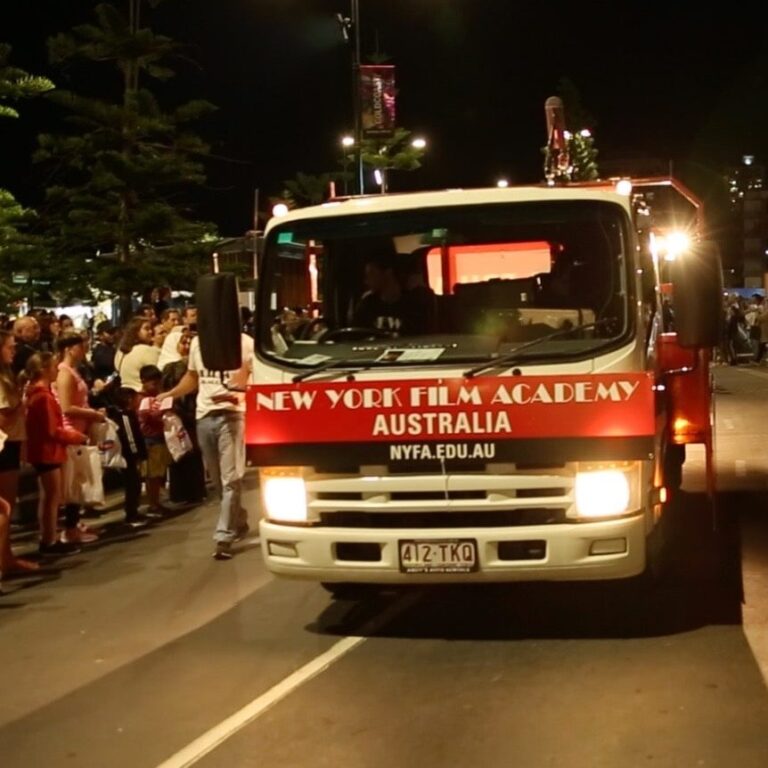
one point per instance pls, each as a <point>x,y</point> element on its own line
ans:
<point>218,322</point>
<point>697,288</point>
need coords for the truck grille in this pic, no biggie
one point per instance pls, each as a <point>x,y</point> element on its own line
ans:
<point>442,501</point>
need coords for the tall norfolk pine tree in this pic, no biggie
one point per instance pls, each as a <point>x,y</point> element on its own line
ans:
<point>17,247</point>
<point>117,206</point>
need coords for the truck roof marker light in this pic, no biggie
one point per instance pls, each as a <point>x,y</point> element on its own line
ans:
<point>279,210</point>
<point>624,187</point>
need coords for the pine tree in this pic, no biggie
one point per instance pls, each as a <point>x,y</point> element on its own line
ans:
<point>16,84</point>
<point>18,248</point>
<point>117,207</point>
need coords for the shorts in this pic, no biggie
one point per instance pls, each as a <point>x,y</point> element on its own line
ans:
<point>10,456</point>
<point>158,461</point>
<point>41,469</point>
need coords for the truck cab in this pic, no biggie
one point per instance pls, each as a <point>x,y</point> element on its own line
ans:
<point>466,386</point>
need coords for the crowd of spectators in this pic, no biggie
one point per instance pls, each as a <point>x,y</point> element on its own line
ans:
<point>56,383</point>
<point>745,330</point>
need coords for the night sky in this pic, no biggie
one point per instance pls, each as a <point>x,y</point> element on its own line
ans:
<point>666,82</point>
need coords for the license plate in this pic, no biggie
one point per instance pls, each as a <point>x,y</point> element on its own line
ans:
<point>445,556</point>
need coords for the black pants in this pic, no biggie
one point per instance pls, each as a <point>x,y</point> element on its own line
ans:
<point>187,478</point>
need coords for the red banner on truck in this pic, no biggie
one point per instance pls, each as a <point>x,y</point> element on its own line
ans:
<point>424,410</point>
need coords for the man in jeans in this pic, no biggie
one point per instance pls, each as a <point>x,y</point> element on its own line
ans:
<point>220,416</point>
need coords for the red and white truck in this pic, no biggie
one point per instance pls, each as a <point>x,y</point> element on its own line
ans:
<point>512,408</point>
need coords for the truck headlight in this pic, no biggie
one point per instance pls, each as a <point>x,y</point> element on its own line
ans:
<point>605,493</point>
<point>284,494</point>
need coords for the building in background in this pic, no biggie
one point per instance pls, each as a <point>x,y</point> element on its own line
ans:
<point>749,204</point>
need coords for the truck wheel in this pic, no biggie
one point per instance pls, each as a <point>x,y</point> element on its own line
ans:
<point>342,590</point>
<point>674,458</point>
<point>660,549</point>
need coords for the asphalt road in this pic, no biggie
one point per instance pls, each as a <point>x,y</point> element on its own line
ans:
<point>144,651</point>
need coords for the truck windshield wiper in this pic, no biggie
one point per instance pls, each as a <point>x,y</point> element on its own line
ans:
<point>510,358</point>
<point>358,364</point>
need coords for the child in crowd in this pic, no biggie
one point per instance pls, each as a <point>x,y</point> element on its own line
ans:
<point>123,412</point>
<point>151,421</point>
<point>47,441</point>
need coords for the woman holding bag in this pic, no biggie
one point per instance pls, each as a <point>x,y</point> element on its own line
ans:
<point>72,393</point>
<point>46,448</point>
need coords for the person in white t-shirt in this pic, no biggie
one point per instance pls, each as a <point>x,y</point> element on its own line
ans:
<point>136,351</point>
<point>220,415</point>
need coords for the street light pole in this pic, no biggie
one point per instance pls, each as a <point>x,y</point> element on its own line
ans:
<point>355,16</point>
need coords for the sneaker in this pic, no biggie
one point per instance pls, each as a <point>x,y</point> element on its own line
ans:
<point>223,551</point>
<point>154,514</point>
<point>59,548</point>
<point>137,521</point>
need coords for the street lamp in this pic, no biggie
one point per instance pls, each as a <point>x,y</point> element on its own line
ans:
<point>346,143</point>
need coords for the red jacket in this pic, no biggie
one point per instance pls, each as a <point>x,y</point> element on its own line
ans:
<point>47,437</point>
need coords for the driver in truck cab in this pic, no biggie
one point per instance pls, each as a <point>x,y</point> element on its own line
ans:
<point>389,306</point>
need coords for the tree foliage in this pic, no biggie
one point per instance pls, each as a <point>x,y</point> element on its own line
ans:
<point>395,153</point>
<point>118,203</point>
<point>305,189</point>
<point>18,248</point>
<point>16,84</point>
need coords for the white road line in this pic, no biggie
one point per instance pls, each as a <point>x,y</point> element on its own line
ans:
<point>221,732</point>
<point>217,735</point>
<point>741,468</point>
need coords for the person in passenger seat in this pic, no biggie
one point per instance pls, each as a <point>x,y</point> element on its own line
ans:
<point>420,305</point>
<point>382,306</point>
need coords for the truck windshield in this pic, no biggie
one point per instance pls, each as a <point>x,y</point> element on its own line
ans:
<point>456,283</point>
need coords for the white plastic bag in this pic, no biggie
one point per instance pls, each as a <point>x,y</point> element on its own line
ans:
<point>107,440</point>
<point>82,476</point>
<point>176,436</point>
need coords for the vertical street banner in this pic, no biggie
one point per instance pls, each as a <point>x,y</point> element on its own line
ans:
<point>377,100</point>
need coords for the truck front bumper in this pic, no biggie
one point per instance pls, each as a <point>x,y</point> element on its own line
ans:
<point>611,549</point>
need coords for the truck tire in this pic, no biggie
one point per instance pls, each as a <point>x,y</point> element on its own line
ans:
<point>660,550</point>
<point>674,458</point>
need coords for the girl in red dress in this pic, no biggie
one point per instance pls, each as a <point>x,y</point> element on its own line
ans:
<point>47,441</point>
